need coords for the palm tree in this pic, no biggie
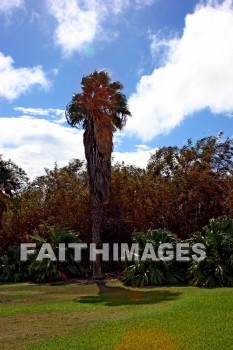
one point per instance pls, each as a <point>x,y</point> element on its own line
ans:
<point>100,110</point>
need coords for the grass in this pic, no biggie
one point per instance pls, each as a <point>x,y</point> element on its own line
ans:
<point>113,317</point>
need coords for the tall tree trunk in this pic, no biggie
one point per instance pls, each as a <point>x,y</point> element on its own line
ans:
<point>98,155</point>
<point>97,216</point>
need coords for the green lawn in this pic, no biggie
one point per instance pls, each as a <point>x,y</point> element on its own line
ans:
<point>111,316</point>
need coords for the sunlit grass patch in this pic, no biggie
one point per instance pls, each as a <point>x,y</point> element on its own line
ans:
<point>21,292</point>
<point>147,339</point>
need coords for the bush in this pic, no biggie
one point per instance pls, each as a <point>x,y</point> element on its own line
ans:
<point>47,270</point>
<point>12,269</point>
<point>216,270</point>
<point>149,272</point>
<point>44,271</point>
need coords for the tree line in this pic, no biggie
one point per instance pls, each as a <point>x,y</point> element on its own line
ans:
<point>181,189</point>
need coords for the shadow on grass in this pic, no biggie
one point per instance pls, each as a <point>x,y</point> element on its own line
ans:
<point>117,296</point>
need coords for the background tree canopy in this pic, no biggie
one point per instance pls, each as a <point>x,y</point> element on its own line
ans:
<point>180,190</point>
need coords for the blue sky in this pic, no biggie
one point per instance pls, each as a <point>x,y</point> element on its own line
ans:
<point>174,58</point>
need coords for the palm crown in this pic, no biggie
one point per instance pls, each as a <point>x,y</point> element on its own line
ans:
<point>100,98</point>
<point>100,110</point>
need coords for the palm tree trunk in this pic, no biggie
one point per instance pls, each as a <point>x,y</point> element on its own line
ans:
<point>95,168</point>
<point>97,216</point>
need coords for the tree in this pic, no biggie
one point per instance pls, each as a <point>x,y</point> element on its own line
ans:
<point>100,109</point>
<point>12,180</point>
<point>196,180</point>
<point>4,202</point>
<point>60,198</point>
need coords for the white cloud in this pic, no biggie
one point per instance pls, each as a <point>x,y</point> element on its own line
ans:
<point>162,48</point>
<point>197,74</point>
<point>57,115</point>
<point>139,157</point>
<point>142,147</point>
<point>76,26</point>
<point>36,143</point>
<point>7,6</point>
<point>79,23</point>
<point>17,81</point>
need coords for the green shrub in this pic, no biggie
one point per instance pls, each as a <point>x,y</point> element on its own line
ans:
<point>149,272</point>
<point>44,271</point>
<point>216,270</point>
<point>12,269</point>
<point>47,270</point>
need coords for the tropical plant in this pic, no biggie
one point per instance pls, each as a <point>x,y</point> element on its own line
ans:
<point>216,270</point>
<point>11,268</point>
<point>100,109</point>
<point>44,271</point>
<point>47,270</point>
<point>151,272</point>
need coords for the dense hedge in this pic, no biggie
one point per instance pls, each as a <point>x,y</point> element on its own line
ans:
<point>216,270</point>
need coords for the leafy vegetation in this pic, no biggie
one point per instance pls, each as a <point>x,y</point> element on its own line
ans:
<point>45,270</point>
<point>149,272</point>
<point>14,270</point>
<point>12,180</point>
<point>216,270</point>
<point>180,190</point>
<point>11,268</point>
